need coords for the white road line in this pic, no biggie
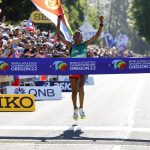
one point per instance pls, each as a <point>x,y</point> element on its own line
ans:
<point>87,128</point>
<point>117,147</point>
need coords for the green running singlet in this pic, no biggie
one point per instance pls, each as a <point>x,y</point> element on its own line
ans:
<point>78,51</point>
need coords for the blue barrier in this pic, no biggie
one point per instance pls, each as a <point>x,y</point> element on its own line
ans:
<point>64,85</point>
<point>66,66</point>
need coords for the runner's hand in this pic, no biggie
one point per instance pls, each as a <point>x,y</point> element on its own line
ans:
<point>101,19</point>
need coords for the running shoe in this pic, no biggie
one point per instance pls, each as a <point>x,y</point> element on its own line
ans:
<point>75,114</point>
<point>81,112</point>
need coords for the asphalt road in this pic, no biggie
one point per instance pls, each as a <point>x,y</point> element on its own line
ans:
<point>118,118</point>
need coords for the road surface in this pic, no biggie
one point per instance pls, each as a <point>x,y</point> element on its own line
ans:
<point>118,118</point>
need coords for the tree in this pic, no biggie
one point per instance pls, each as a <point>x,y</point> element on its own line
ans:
<point>77,10</point>
<point>118,17</point>
<point>121,19</point>
<point>139,14</point>
<point>17,10</point>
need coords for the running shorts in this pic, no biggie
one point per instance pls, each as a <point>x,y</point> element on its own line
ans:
<point>75,76</point>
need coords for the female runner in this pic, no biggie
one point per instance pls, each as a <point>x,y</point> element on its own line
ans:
<point>78,49</point>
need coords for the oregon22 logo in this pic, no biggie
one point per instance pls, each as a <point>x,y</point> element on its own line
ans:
<point>119,64</point>
<point>60,65</point>
<point>4,66</point>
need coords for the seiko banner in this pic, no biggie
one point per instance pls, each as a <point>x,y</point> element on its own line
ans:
<point>17,102</point>
<point>66,66</point>
<point>64,85</point>
<point>40,93</point>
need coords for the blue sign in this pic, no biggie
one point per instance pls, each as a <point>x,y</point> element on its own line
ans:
<point>64,85</point>
<point>66,66</point>
<point>109,40</point>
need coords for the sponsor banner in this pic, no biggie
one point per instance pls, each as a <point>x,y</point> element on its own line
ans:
<point>121,42</point>
<point>6,78</point>
<point>66,66</point>
<point>64,85</point>
<point>38,17</point>
<point>17,102</point>
<point>40,93</point>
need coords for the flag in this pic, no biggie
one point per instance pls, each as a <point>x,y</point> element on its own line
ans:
<point>121,42</point>
<point>16,81</point>
<point>52,9</point>
<point>109,40</point>
<point>15,54</point>
<point>30,26</point>
<point>43,78</point>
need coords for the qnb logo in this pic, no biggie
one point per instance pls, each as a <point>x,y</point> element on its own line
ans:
<point>60,65</point>
<point>119,64</point>
<point>20,91</point>
<point>4,66</point>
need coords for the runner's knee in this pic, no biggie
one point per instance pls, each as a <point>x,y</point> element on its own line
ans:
<point>74,93</point>
<point>81,89</point>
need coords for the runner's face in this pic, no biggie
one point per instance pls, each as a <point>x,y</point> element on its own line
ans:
<point>77,36</point>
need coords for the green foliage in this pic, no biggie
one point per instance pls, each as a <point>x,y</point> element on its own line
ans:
<point>139,14</point>
<point>76,10</point>
<point>92,17</point>
<point>16,10</point>
<point>118,17</point>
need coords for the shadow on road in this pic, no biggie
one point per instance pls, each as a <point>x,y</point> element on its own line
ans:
<point>73,135</point>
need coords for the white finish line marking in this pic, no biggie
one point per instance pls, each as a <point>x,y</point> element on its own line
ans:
<point>117,147</point>
<point>87,128</point>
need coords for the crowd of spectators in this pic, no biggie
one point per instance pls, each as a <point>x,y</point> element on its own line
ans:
<point>18,42</point>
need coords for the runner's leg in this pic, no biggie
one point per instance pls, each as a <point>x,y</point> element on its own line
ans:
<point>74,86</point>
<point>81,89</point>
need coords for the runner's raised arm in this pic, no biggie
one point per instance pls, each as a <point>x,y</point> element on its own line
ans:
<point>60,37</point>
